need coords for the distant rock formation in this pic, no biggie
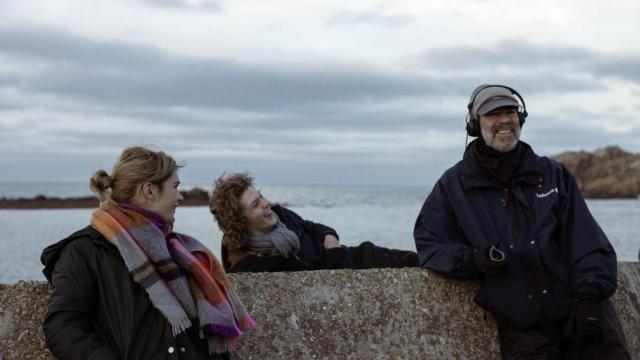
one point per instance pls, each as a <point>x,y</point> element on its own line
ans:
<point>607,173</point>
<point>192,197</point>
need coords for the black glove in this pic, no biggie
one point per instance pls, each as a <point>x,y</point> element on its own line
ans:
<point>587,320</point>
<point>489,260</point>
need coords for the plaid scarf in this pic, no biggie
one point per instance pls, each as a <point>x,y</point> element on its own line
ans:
<point>183,278</point>
<point>279,242</point>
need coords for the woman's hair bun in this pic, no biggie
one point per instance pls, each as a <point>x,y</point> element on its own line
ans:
<point>100,182</point>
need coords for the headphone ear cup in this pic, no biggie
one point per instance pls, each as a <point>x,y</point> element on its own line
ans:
<point>472,127</point>
<point>522,117</point>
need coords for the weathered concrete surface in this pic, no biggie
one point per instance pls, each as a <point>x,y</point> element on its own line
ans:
<point>370,314</point>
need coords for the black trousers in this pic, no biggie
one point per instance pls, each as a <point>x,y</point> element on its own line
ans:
<point>555,343</point>
<point>369,256</point>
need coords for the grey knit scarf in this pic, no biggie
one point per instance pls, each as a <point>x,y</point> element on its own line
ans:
<point>279,242</point>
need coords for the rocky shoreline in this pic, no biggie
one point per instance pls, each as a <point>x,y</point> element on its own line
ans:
<point>193,197</point>
<point>608,173</point>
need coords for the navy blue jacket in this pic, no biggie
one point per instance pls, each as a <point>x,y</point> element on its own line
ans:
<point>311,255</point>
<point>540,220</point>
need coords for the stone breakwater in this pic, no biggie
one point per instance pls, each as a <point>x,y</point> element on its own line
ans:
<point>341,314</point>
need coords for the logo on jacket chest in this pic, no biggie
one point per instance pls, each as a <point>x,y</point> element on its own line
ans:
<point>545,194</point>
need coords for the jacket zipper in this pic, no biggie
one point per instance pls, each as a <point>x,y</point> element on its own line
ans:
<point>528,258</point>
<point>505,198</point>
<point>515,233</point>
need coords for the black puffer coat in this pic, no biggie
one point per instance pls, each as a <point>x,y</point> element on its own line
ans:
<point>97,311</point>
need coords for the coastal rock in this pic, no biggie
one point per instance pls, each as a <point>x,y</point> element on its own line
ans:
<point>606,173</point>
<point>195,197</point>
<point>192,197</point>
<point>337,314</point>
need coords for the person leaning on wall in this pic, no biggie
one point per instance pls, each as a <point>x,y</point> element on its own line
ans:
<point>127,286</point>
<point>519,222</point>
<point>258,236</point>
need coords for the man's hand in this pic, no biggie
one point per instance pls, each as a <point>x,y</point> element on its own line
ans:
<point>489,260</point>
<point>587,318</point>
<point>330,241</point>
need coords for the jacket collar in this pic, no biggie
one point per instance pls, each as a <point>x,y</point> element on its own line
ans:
<point>529,171</point>
<point>51,254</point>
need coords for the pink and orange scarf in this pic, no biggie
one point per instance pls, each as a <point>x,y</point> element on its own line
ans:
<point>183,278</point>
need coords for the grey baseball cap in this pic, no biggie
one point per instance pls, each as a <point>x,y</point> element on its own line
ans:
<point>491,98</point>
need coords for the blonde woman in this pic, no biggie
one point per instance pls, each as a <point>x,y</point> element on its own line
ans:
<point>127,286</point>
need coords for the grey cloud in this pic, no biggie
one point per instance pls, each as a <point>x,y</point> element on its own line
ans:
<point>11,102</point>
<point>572,65</point>
<point>222,84</point>
<point>211,122</point>
<point>530,82</point>
<point>511,53</point>
<point>7,79</point>
<point>209,5</point>
<point>114,73</point>
<point>576,129</point>
<point>625,67</point>
<point>117,74</point>
<point>346,17</point>
<point>309,134</point>
<point>309,116</point>
<point>206,122</point>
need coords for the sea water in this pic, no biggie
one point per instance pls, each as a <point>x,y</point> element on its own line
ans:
<point>383,215</point>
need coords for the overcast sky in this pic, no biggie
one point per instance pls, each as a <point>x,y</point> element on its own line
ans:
<point>305,92</point>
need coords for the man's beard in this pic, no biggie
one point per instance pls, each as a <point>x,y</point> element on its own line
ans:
<point>501,143</point>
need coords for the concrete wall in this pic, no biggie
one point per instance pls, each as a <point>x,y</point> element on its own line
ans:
<point>370,314</point>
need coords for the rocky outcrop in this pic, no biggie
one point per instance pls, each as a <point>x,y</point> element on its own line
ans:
<point>340,314</point>
<point>192,197</point>
<point>607,173</point>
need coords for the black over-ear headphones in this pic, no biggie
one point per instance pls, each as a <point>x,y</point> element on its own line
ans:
<point>473,123</point>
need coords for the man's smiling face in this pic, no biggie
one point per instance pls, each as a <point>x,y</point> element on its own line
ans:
<point>500,128</point>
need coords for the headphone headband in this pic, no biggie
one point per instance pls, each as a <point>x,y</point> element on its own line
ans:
<point>479,89</point>
<point>472,121</point>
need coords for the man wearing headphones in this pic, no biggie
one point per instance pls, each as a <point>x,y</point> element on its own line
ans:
<point>519,222</point>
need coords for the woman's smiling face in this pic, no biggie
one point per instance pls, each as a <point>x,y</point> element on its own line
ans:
<point>165,199</point>
<point>257,211</point>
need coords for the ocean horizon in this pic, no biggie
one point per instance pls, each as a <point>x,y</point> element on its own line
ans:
<point>384,215</point>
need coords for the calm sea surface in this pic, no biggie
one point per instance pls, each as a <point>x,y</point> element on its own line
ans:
<point>384,215</point>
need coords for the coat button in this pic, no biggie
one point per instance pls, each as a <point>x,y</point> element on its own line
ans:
<point>530,296</point>
<point>511,246</point>
<point>182,349</point>
<point>533,242</point>
<point>171,349</point>
<point>544,291</point>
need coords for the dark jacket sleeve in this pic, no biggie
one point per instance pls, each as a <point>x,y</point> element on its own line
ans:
<point>253,263</point>
<point>440,243</point>
<point>317,230</point>
<point>69,327</point>
<point>592,258</point>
